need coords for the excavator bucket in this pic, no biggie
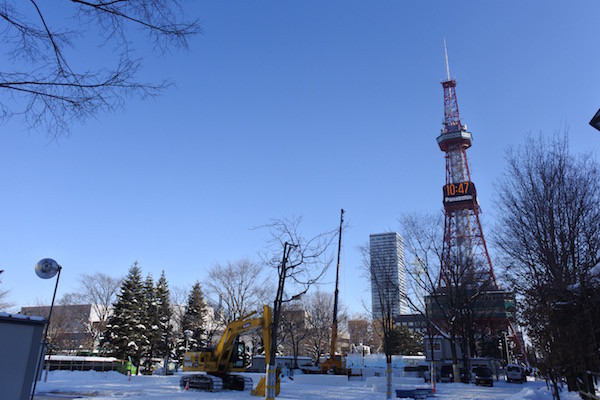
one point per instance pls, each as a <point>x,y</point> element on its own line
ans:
<point>260,388</point>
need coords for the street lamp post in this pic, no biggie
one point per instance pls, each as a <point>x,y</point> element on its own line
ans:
<point>46,268</point>
<point>187,334</point>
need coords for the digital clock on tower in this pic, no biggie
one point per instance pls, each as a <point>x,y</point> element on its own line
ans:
<point>459,193</point>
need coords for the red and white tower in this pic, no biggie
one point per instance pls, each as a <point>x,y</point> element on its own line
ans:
<point>464,249</point>
<point>465,259</point>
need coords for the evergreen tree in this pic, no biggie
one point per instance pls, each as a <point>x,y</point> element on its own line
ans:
<point>193,321</point>
<point>406,342</point>
<point>158,319</point>
<point>125,332</point>
<point>151,318</point>
<point>165,315</point>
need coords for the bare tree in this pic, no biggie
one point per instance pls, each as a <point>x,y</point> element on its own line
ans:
<point>299,263</point>
<point>319,307</point>
<point>5,303</point>
<point>68,331</point>
<point>359,329</point>
<point>294,328</point>
<point>236,289</point>
<point>179,298</point>
<point>99,290</point>
<point>49,88</point>
<point>549,203</point>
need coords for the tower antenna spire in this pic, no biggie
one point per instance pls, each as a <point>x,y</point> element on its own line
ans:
<point>446,53</point>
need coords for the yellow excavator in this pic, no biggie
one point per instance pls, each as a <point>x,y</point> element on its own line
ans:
<point>228,356</point>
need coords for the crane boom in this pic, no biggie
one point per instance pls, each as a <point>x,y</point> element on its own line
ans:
<point>337,282</point>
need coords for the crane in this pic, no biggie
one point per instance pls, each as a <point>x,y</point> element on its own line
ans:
<point>334,362</point>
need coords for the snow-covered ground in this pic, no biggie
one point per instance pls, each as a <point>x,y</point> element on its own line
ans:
<point>112,385</point>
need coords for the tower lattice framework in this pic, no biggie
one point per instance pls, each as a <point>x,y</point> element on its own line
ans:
<point>465,255</point>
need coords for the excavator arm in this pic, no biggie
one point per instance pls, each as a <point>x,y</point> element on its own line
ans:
<point>225,347</point>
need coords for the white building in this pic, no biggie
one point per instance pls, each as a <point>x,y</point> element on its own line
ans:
<point>388,284</point>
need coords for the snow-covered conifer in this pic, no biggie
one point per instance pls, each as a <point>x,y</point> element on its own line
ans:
<point>165,315</point>
<point>125,333</point>
<point>151,306</point>
<point>194,320</point>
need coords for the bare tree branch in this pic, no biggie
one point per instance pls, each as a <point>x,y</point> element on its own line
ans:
<point>47,92</point>
<point>239,287</point>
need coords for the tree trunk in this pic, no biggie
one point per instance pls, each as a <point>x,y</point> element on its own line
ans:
<point>271,371</point>
<point>466,359</point>
<point>388,378</point>
<point>432,371</point>
<point>296,351</point>
<point>556,393</point>
<point>455,368</point>
<point>271,382</point>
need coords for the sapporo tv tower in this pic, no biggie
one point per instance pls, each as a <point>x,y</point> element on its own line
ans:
<point>466,267</point>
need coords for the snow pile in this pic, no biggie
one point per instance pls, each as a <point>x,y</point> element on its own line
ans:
<point>354,360</point>
<point>375,364</point>
<point>532,394</point>
<point>321,380</point>
<point>85,376</point>
<point>379,383</point>
<point>540,393</point>
<point>80,358</point>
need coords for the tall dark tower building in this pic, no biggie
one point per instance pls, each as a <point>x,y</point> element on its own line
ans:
<point>387,269</point>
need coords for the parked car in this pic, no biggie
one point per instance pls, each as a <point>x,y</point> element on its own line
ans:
<point>465,376</point>
<point>483,376</point>
<point>515,373</point>
<point>474,371</point>
<point>447,375</point>
<point>417,371</point>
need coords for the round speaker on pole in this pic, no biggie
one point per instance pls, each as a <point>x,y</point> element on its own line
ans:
<point>46,268</point>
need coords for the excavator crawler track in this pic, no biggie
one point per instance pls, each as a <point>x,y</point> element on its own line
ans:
<point>236,382</point>
<point>204,382</point>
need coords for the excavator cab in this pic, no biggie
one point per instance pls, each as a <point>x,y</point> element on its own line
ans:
<point>238,358</point>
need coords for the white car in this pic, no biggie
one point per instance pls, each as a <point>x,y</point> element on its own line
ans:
<point>515,373</point>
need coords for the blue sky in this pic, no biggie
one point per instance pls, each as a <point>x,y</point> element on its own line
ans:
<point>292,108</point>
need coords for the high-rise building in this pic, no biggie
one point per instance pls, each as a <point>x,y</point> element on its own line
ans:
<point>388,284</point>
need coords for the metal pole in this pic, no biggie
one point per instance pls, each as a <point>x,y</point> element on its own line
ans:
<point>166,359</point>
<point>44,343</point>
<point>507,351</point>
